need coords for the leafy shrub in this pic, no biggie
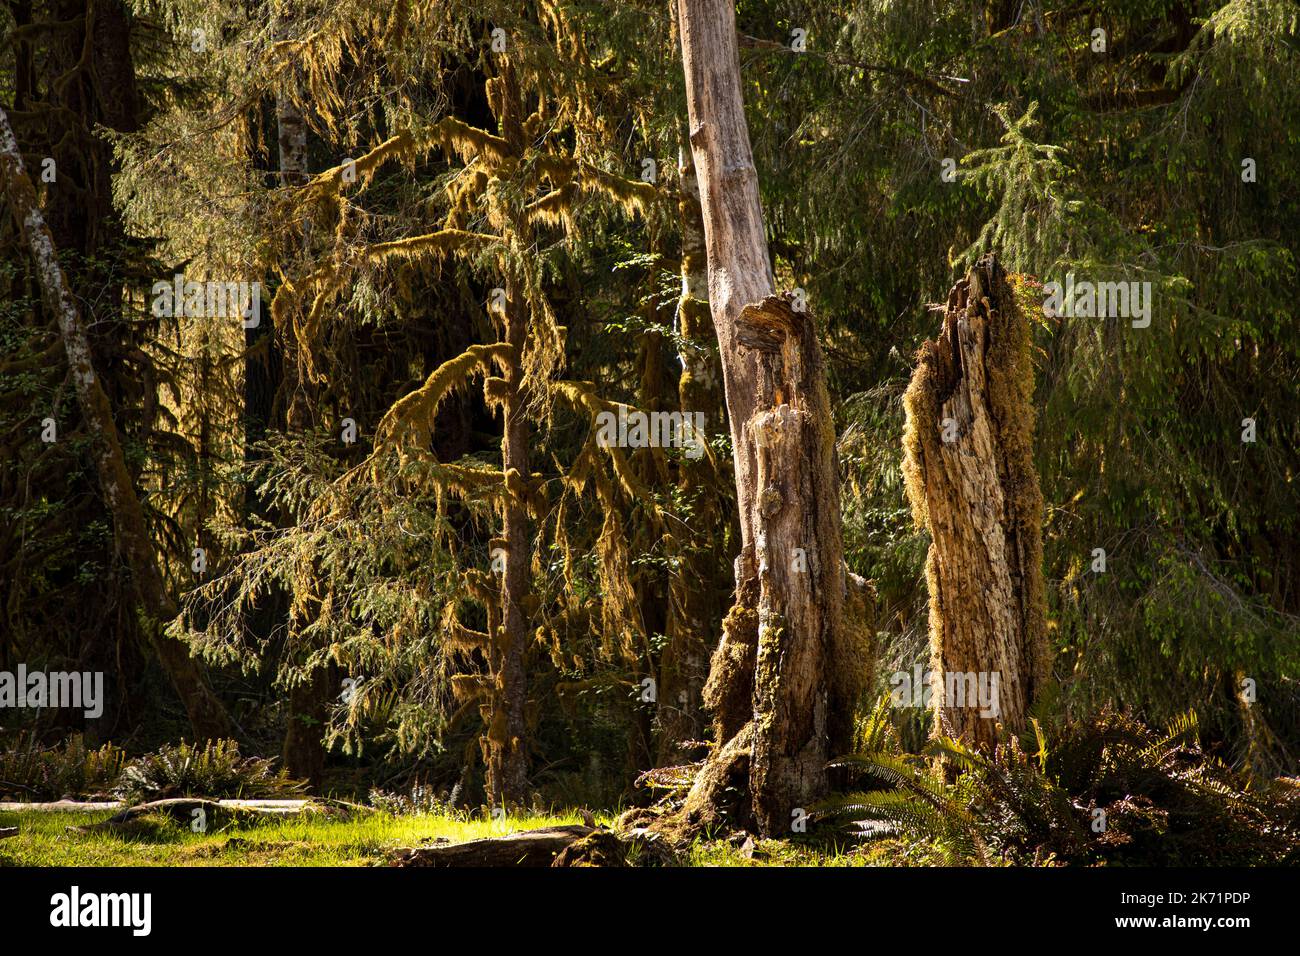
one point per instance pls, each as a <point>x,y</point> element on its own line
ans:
<point>1112,790</point>
<point>215,770</point>
<point>421,798</point>
<point>31,772</point>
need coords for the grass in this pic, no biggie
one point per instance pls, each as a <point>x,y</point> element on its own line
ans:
<point>776,853</point>
<point>45,839</point>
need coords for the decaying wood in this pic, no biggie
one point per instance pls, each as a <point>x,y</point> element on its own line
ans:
<point>790,574</point>
<point>525,848</point>
<point>603,848</point>
<point>563,846</point>
<point>60,806</point>
<point>216,813</point>
<point>978,495</point>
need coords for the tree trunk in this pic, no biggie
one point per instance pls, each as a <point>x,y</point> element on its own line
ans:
<point>291,133</point>
<point>970,476</point>
<point>505,754</point>
<point>505,743</point>
<point>303,750</point>
<point>695,603</point>
<point>788,617</point>
<point>207,717</point>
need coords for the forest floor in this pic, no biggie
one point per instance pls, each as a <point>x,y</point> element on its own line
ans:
<point>46,839</point>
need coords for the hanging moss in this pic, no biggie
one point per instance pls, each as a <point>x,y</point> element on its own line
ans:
<point>411,417</point>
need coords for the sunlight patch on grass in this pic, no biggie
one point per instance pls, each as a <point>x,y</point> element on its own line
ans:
<point>45,839</point>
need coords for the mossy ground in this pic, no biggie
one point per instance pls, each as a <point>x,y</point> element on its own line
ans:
<point>46,840</point>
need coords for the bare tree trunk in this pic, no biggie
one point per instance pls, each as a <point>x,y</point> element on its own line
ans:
<point>790,576</point>
<point>291,132</point>
<point>207,717</point>
<point>970,476</point>
<point>695,604</point>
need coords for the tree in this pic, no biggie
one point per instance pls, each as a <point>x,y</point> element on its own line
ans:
<point>771,686</point>
<point>207,716</point>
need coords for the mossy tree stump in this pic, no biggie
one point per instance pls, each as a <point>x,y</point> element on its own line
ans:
<point>969,470</point>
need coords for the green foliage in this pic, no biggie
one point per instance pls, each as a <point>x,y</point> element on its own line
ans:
<point>215,770</point>
<point>1138,441</point>
<point>1109,791</point>
<point>1125,165</point>
<point>419,798</point>
<point>31,772</point>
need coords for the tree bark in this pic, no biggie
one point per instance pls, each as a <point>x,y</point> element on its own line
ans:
<point>291,133</point>
<point>506,756</point>
<point>207,717</point>
<point>970,475</point>
<point>790,574</point>
<point>529,848</point>
<point>303,750</point>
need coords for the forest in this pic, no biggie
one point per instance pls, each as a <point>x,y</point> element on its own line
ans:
<point>656,433</point>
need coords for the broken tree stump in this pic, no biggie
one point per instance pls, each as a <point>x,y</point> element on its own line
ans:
<point>969,470</point>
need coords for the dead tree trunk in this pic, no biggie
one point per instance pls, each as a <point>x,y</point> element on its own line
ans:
<point>970,476</point>
<point>207,717</point>
<point>770,682</point>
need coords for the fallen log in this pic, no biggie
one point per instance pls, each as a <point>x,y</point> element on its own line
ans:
<point>90,806</point>
<point>525,848</point>
<point>59,806</point>
<point>212,813</point>
<point>562,846</point>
